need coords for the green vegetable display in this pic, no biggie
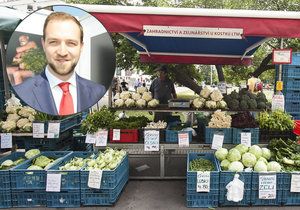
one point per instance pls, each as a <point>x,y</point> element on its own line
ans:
<point>276,121</point>
<point>34,60</point>
<point>132,122</point>
<point>201,164</point>
<point>31,153</point>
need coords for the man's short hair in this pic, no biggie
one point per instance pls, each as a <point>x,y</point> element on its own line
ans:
<point>62,16</point>
<point>162,68</point>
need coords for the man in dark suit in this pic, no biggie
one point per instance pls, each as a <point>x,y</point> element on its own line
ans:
<point>58,90</point>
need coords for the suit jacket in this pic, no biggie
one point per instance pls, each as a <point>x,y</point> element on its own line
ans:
<point>36,93</point>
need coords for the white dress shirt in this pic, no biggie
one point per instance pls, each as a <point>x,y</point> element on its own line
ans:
<point>57,92</point>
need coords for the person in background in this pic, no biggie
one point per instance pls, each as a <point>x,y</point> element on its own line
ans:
<point>137,84</point>
<point>162,89</point>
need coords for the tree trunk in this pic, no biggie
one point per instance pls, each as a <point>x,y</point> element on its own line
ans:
<point>220,73</point>
<point>186,81</point>
<point>263,66</point>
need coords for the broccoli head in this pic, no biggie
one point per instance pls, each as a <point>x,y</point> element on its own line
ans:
<point>252,104</point>
<point>245,97</point>
<point>234,95</point>
<point>233,104</point>
<point>252,95</point>
<point>243,105</point>
<point>243,91</point>
<point>261,97</point>
<point>261,105</point>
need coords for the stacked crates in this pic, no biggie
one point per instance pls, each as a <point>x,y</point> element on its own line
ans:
<point>112,185</point>
<point>291,86</point>
<point>28,187</point>
<point>202,199</point>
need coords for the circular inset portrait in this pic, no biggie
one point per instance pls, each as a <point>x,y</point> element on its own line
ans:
<point>60,60</point>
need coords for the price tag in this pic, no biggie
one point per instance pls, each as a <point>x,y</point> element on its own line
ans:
<point>6,140</point>
<point>53,130</point>
<point>90,138</point>
<point>53,183</point>
<point>101,140</point>
<point>95,178</point>
<point>278,102</point>
<point>222,87</point>
<point>246,138</point>
<point>217,141</point>
<point>38,130</point>
<point>116,134</point>
<point>203,181</point>
<point>267,187</point>
<point>295,183</point>
<point>183,139</point>
<point>151,138</point>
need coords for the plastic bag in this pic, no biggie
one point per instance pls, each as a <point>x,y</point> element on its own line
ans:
<point>235,189</point>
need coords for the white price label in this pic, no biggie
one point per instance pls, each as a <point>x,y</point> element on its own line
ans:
<point>246,139</point>
<point>90,138</point>
<point>183,139</point>
<point>222,87</point>
<point>217,141</point>
<point>203,181</point>
<point>278,102</point>
<point>116,134</point>
<point>38,130</point>
<point>101,140</point>
<point>267,187</point>
<point>53,130</point>
<point>151,138</point>
<point>295,183</point>
<point>95,177</point>
<point>53,183</point>
<point>6,140</point>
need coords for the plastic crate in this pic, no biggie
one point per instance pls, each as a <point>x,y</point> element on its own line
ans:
<point>225,178</point>
<point>266,136</point>
<point>203,200</point>
<point>70,180</point>
<point>23,179</point>
<point>4,174</point>
<point>5,199</point>
<point>172,136</point>
<point>110,179</point>
<point>105,197</point>
<point>79,144</point>
<point>51,144</point>
<point>291,83</point>
<point>255,201</point>
<point>291,95</point>
<point>27,198</point>
<point>296,115</point>
<point>63,199</point>
<point>289,198</point>
<point>209,134</point>
<point>66,123</point>
<point>126,135</point>
<point>291,71</point>
<point>236,135</point>
<point>295,58</point>
<point>292,106</point>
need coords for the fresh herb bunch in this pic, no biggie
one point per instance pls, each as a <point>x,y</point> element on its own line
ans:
<point>276,121</point>
<point>132,122</point>
<point>101,119</point>
<point>42,117</point>
<point>201,164</point>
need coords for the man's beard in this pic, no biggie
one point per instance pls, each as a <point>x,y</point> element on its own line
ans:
<point>63,73</point>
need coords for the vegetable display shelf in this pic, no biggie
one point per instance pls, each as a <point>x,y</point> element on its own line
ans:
<point>23,179</point>
<point>202,199</point>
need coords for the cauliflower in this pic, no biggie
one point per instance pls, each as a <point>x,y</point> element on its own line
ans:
<point>12,109</point>
<point>27,127</point>
<point>141,103</point>
<point>119,103</point>
<point>205,92</point>
<point>221,104</point>
<point>26,111</point>
<point>129,102</point>
<point>117,96</point>
<point>136,96</point>
<point>220,119</point>
<point>31,118</point>
<point>153,103</point>
<point>198,103</point>
<point>216,95</point>
<point>147,96</point>
<point>9,125</point>
<point>141,90</point>
<point>13,117</point>
<point>211,104</point>
<point>21,122</point>
<point>125,95</point>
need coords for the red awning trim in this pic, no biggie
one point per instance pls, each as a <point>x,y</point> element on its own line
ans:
<point>267,27</point>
